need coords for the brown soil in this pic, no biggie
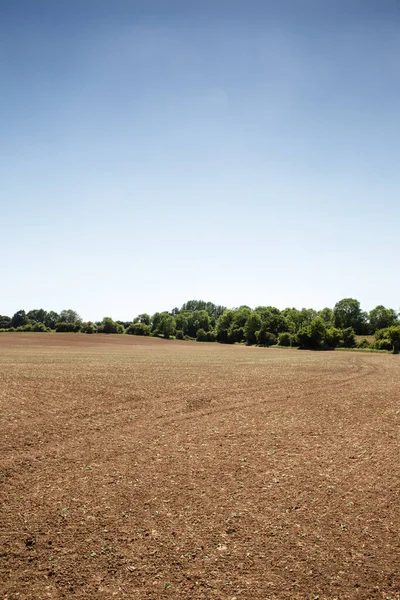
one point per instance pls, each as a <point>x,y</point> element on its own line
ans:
<point>145,469</point>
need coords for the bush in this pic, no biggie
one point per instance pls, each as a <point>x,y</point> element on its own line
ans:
<point>179,334</point>
<point>266,338</point>
<point>348,339</point>
<point>138,329</point>
<point>313,336</point>
<point>62,327</point>
<point>364,343</point>
<point>27,327</point>
<point>88,327</point>
<point>284,339</point>
<point>109,326</point>
<point>39,327</point>
<point>394,337</point>
<point>332,338</point>
<point>201,336</point>
<point>383,344</point>
<point>382,334</point>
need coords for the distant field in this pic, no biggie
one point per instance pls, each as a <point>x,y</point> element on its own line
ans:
<point>145,469</point>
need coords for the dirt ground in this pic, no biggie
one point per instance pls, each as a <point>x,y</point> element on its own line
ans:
<point>145,469</point>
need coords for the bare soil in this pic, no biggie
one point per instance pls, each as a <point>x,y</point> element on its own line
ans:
<point>145,469</point>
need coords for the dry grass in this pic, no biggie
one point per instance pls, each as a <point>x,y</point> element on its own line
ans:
<point>137,468</point>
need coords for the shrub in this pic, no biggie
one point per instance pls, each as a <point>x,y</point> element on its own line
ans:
<point>284,339</point>
<point>332,338</point>
<point>39,327</point>
<point>109,326</point>
<point>383,344</point>
<point>62,327</point>
<point>364,343</point>
<point>348,339</point>
<point>88,327</point>
<point>201,336</point>
<point>266,338</point>
<point>382,334</point>
<point>27,327</point>
<point>140,328</point>
<point>394,337</point>
<point>179,334</point>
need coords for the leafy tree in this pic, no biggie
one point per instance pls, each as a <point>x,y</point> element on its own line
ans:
<point>224,323</point>
<point>273,319</point>
<point>156,320</point>
<point>252,325</point>
<point>381,317</point>
<point>51,319</point>
<point>37,315</point>
<point>19,319</point>
<point>348,339</point>
<point>109,326</point>
<point>348,313</point>
<point>88,327</point>
<point>212,309</point>
<point>296,319</point>
<point>140,328</point>
<point>70,316</point>
<point>167,326</point>
<point>201,336</point>
<point>332,337</point>
<point>181,323</point>
<point>143,318</point>
<point>285,339</point>
<point>5,322</point>
<point>326,315</point>
<point>312,336</point>
<point>266,338</point>
<point>179,334</point>
<point>197,319</point>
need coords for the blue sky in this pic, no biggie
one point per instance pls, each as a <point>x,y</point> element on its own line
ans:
<point>234,151</point>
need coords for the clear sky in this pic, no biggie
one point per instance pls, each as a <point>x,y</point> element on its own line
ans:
<point>243,152</point>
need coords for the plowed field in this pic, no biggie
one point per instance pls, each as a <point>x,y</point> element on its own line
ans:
<point>145,469</point>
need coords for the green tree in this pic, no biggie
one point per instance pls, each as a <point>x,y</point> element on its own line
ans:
<point>19,319</point>
<point>107,325</point>
<point>143,318</point>
<point>5,322</point>
<point>266,338</point>
<point>70,316</point>
<point>326,315</point>
<point>285,339</point>
<point>252,326</point>
<point>332,337</point>
<point>138,329</point>
<point>312,336</point>
<point>348,339</point>
<point>52,318</point>
<point>381,317</point>
<point>197,319</point>
<point>224,323</point>
<point>182,322</point>
<point>348,313</point>
<point>167,326</point>
<point>38,315</point>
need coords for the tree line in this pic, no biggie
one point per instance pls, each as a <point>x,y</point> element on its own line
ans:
<point>264,325</point>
